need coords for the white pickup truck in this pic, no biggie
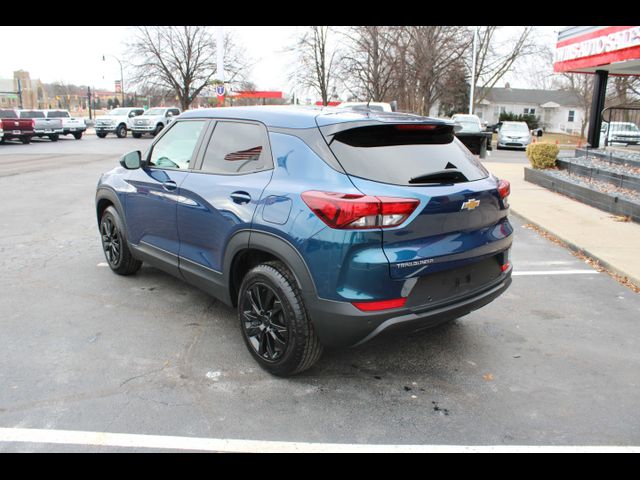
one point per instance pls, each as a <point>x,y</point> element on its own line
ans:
<point>70,125</point>
<point>118,121</point>
<point>153,121</point>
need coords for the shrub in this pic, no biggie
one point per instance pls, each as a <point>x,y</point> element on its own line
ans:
<point>531,120</point>
<point>542,155</point>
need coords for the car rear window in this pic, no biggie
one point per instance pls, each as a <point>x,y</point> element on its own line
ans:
<point>8,114</point>
<point>58,114</point>
<point>31,114</point>
<point>406,155</point>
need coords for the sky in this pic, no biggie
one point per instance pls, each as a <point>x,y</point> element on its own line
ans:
<point>79,58</point>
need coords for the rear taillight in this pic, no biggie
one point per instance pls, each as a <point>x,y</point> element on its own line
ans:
<point>504,188</point>
<point>33,124</point>
<point>380,304</point>
<point>356,211</point>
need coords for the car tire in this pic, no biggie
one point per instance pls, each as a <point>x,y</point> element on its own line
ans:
<point>54,138</point>
<point>101,135</point>
<point>114,244</point>
<point>26,140</point>
<point>498,147</point>
<point>158,129</point>
<point>77,135</point>
<point>121,131</point>
<point>136,135</point>
<point>274,322</point>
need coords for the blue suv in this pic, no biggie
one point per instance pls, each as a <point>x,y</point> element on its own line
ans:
<point>324,227</point>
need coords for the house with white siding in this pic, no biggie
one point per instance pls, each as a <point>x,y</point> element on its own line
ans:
<point>559,111</point>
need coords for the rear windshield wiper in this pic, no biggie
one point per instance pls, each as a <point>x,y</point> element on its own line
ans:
<point>443,176</point>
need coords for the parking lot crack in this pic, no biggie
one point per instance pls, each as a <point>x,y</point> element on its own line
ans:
<point>143,375</point>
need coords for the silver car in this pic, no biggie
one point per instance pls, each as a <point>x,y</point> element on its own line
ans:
<point>514,134</point>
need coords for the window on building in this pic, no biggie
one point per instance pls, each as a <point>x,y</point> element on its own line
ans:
<point>529,111</point>
<point>572,114</point>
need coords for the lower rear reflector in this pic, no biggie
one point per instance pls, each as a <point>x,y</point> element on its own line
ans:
<point>380,305</point>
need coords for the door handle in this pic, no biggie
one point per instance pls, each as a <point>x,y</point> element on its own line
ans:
<point>240,197</point>
<point>169,185</point>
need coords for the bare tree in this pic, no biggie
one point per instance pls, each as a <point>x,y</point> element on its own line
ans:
<point>496,57</point>
<point>370,61</point>
<point>580,85</point>
<point>431,52</point>
<point>317,62</point>
<point>181,59</point>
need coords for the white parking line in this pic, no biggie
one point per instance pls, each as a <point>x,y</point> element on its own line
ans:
<point>103,439</point>
<point>555,272</point>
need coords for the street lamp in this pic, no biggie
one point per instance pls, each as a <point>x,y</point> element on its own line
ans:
<point>121,75</point>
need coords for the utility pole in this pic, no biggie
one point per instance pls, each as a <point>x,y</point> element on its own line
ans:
<point>121,75</point>
<point>20,94</point>
<point>220,55</point>
<point>89,100</point>
<point>473,70</point>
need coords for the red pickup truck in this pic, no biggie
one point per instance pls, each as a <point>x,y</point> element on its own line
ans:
<point>16,127</point>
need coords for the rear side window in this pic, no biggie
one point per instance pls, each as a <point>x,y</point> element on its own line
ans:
<point>237,148</point>
<point>406,155</point>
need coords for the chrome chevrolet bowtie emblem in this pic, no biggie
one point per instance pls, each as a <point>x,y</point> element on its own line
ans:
<point>470,204</point>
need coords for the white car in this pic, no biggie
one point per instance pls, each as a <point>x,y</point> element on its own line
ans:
<point>625,133</point>
<point>513,135</point>
<point>118,121</point>
<point>70,125</point>
<point>153,121</point>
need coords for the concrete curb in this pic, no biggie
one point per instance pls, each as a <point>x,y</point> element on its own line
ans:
<point>576,248</point>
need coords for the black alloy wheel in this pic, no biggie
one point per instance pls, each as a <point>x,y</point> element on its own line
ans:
<point>114,244</point>
<point>264,322</point>
<point>274,322</point>
<point>111,241</point>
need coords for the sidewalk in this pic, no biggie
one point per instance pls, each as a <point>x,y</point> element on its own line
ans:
<point>615,244</point>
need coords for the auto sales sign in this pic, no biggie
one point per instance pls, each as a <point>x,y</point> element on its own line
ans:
<point>584,48</point>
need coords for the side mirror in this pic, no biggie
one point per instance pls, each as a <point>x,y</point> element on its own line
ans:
<point>131,160</point>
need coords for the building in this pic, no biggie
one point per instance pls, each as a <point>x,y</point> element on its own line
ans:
<point>559,111</point>
<point>601,51</point>
<point>33,93</point>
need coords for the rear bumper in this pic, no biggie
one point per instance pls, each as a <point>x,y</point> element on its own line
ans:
<point>8,134</point>
<point>52,131</point>
<point>69,130</point>
<point>340,324</point>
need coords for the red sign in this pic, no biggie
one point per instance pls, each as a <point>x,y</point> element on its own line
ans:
<point>256,94</point>
<point>118,86</point>
<point>596,48</point>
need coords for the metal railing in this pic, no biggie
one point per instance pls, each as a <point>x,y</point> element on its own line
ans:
<point>620,126</point>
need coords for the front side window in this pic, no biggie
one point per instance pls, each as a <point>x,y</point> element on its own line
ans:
<point>175,148</point>
<point>237,148</point>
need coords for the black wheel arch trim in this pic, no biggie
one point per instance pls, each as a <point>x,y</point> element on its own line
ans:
<point>274,245</point>
<point>106,193</point>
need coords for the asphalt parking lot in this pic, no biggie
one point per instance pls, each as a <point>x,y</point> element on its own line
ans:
<point>554,361</point>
